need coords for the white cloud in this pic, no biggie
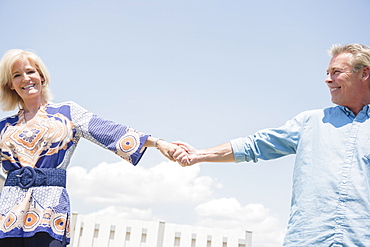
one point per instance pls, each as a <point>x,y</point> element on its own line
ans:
<point>123,184</point>
<point>228,213</point>
<point>127,213</point>
<point>155,193</point>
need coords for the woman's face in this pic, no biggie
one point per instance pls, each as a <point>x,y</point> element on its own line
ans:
<point>26,80</point>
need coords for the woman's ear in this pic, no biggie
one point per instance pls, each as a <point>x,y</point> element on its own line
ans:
<point>10,85</point>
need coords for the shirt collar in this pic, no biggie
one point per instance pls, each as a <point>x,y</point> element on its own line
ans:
<point>365,111</point>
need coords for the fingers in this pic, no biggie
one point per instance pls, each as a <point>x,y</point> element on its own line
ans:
<point>183,145</point>
<point>174,153</point>
<point>165,147</point>
<point>169,153</point>
<point>181,156</point>
<point>178,151</point>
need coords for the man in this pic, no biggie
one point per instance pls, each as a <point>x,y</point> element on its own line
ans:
<point>331,182</point>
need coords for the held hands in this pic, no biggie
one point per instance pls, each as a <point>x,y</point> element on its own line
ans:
<point>181,152</point>
<point>167,149</point>
<point>184,154</point>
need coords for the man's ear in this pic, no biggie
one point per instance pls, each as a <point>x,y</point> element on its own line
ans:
<point>366,73</point>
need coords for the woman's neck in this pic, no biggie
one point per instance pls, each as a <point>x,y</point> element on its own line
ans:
<point>31,109</point>
<point>33,106</point>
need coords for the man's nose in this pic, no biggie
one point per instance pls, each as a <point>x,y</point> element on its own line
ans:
<point>328,79</point>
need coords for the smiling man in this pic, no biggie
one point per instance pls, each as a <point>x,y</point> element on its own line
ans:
<point>331,182</point>
<point>347,80</point>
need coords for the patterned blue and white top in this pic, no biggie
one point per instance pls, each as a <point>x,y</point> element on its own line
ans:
<point>49,142</point>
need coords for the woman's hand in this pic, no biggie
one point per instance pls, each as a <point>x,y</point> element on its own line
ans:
<point>185,154</point>
<point>165,148</point>
<point>191,156</point>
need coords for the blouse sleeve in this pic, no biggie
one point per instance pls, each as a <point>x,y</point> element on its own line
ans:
<point>122,140</point>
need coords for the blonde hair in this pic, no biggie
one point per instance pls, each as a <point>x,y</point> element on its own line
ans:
<point>360,54</point>
<point>9,99</point>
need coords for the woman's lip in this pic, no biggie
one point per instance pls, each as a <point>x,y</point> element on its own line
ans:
<point>28,86</point>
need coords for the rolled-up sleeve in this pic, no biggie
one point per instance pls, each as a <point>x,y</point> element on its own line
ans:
<point>270,143</point>
<point>241,153</point>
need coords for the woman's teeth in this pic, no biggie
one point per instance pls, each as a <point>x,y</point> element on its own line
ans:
<point>28,86</point>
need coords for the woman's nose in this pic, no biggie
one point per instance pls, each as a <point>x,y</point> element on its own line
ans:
<point>26,77</point>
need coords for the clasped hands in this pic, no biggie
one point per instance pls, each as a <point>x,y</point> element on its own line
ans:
<point>180,152</point>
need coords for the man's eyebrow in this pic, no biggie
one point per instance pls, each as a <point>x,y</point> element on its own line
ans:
<point>332,68</point>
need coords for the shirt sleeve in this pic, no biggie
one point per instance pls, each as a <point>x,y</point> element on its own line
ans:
<point>270,143</point>
<point>124,141</point>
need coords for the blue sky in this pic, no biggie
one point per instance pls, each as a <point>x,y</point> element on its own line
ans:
<point>203,72</point>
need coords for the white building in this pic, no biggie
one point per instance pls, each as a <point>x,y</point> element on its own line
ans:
<point>113,232</point>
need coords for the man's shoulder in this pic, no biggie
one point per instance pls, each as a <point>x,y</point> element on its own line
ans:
<point>316,114</point>
<point>321,111</point>
<point>311,113</point>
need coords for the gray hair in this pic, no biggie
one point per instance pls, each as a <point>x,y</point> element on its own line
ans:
<point>360,55</point>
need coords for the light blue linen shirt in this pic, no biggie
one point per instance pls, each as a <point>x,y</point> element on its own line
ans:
<point>331,179</point>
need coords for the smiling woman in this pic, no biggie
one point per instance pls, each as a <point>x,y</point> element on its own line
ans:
<point>25,77</point>
<point>28,84</point>
<point>36,146</point>
<point>22,65</point>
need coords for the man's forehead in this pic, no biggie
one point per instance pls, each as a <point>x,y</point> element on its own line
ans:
<point>340,61</point>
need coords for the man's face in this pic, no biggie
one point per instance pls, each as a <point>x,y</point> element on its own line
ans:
<point>346,87</point>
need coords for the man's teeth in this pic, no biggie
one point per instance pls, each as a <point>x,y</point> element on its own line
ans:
<point>334,89</point>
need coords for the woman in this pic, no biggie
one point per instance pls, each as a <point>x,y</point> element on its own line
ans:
<point>36,147</point>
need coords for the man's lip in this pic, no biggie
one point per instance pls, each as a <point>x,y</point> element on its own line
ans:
<point>332,89</point>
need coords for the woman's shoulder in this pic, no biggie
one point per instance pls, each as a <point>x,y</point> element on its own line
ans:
<point>9,120</point>
<point>67,108</point>
<point>60,104</point>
